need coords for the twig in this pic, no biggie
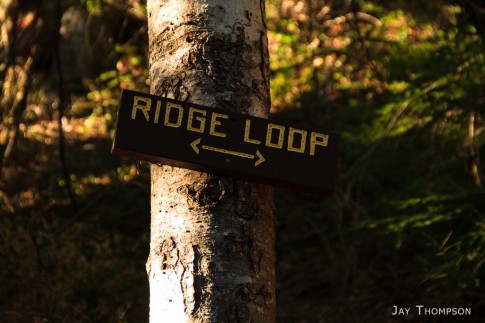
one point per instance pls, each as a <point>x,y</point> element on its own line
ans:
<point>94,201</point>
<point>10,58</point>
<point>10,48</point>
<point>62,105</point>
<point>7,205</point>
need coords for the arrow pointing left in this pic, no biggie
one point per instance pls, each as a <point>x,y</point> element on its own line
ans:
<point>194,145</point>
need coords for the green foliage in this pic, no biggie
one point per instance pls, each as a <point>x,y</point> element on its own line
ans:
<point>450,231</point>
<point>404,87</point>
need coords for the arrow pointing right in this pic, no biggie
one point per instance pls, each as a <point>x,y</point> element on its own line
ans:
<point>260,158</point>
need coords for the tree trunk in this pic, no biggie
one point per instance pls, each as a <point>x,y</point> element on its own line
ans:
<point>212,253</point>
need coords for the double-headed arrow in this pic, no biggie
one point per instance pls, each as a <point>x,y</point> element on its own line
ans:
<point>259,158</point>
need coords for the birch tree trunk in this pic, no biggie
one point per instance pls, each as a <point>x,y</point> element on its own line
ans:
<point>212,253</point>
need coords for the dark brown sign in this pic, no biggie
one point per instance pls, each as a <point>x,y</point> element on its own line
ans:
<point>192,136</point>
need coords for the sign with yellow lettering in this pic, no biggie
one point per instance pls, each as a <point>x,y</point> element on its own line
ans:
<point>192,136</point>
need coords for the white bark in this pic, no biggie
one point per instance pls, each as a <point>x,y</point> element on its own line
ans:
<point>212,238</point>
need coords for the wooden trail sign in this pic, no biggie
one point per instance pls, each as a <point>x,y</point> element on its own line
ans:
<point>192,136</point>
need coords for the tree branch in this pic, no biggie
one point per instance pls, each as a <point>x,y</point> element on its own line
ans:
<point>63,103</point>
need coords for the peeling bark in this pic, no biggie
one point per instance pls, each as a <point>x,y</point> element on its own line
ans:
<point>212,238</point>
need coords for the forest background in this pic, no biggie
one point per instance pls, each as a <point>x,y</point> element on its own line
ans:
<point>401,81</point>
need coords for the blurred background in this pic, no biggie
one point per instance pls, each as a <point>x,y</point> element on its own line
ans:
<point>401,81</point>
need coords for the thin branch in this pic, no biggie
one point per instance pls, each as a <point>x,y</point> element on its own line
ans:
<point>355,22</point>
<point>63,103</point>
<point>10,48</point>
<point>13,10</point>
<point>5,202</point>
<point>18,107</point>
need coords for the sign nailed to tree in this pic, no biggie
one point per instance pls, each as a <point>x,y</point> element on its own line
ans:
<point>192,136</point>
